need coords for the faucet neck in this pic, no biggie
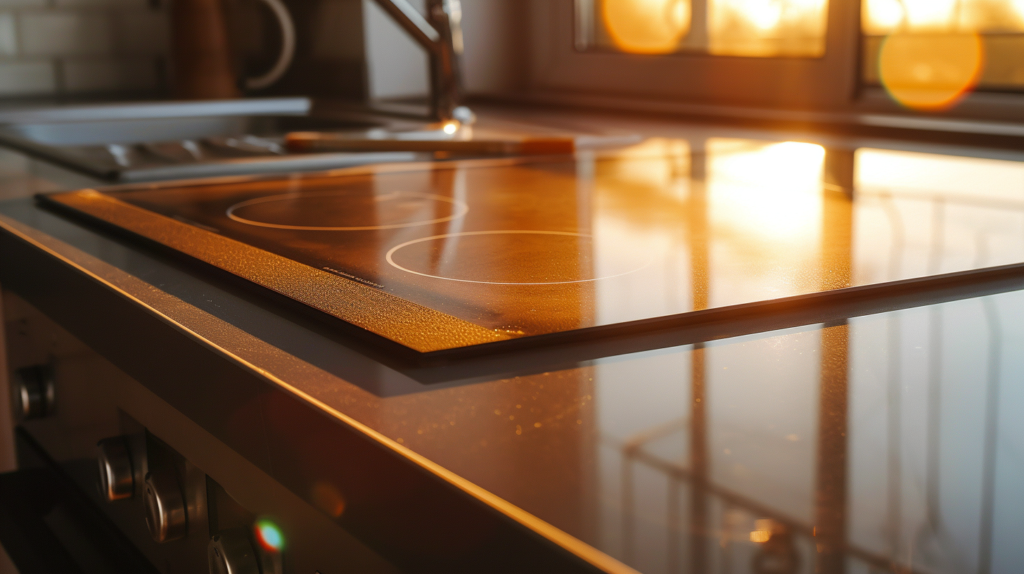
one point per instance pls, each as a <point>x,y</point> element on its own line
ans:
<point>446,61</point>
<point>440,34</point>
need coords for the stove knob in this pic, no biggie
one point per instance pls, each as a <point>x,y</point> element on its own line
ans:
<point>34,391</point>
<point>231,552</point>
<point>165,506</point>
<point>117,480</point>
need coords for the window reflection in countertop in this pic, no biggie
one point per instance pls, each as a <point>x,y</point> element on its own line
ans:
<point>891,437</point>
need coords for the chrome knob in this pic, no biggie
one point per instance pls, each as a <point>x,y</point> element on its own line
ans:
<point>117,479</point>
<point>165,506</point>
<point>34,391</point>
<point>231,552</point>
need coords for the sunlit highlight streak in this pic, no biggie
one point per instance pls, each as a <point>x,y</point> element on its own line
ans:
<point>646,26</point>
<point>982,181</point>
<point>930,72</point>
<point>772,191</point>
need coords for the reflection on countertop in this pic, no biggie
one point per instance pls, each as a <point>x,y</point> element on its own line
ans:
<point>886,443</point>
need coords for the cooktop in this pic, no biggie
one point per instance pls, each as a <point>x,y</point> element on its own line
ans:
<point>456,256</point>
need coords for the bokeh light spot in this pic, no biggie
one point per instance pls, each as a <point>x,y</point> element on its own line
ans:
<point>328,498</point>
<point>269,536</point>
<point>933,71</point>
<point>646,26</point>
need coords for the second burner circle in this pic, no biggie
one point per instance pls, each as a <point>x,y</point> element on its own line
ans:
<point>511,257</point>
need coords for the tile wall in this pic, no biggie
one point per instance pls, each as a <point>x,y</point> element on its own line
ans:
<point>77,47</point>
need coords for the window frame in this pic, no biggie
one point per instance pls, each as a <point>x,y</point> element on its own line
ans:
<point>691,82</point>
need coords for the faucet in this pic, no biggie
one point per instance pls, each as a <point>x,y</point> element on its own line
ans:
<point>440,34</point>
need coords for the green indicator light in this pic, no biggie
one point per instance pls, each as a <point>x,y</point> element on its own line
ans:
<point>269,536</point>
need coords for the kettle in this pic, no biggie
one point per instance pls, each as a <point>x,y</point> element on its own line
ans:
<point>201,62</point>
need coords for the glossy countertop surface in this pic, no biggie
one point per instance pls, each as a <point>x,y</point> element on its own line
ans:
<point>877,442</point>
<point>612,237</point>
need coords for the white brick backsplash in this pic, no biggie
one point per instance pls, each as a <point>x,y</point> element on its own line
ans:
<point>108,75</point>
<point>141,32</point>
<point>59,33</point>
<point>81,46</point>
<point>8,35</point>
<point>26,78</point>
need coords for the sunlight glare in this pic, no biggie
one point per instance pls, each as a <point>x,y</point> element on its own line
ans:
<point>646,26</point>
<point>931,15</point>
<point>932,72</point>
<point>882,16</point>
<point>767,27</point>
<point>771,190</point>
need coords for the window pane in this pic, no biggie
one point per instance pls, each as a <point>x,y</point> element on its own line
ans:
<point>767,27</point>
<point>760,28</point>
<point>929,53</point>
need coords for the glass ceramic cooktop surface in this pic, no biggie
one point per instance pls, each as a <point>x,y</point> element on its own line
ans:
<point>452,255</point>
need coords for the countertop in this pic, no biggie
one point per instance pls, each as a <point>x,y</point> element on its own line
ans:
<point>889,437</point>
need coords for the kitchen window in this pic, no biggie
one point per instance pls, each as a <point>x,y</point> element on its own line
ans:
<point>928,53</point>
<point>961,58</point>
<point>752,28</point>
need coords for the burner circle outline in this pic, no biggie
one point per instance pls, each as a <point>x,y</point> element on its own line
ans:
<point>390,259</point>
<point>461,209</point>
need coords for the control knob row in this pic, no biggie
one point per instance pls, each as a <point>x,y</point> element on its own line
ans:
<point>228,552</point>
<point>164,502</point>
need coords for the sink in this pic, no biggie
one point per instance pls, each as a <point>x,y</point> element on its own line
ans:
<point>180,140</point>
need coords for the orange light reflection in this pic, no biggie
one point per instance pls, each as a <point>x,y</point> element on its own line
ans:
<point>931,72</point>
<point>771,190</point>
<point>767,27</point>
<point>934,51</point>
<point>933,213</point>
<point>765,207</point>
<point>639,201</point>
<point>888,16</point>
<point>646,26</point>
